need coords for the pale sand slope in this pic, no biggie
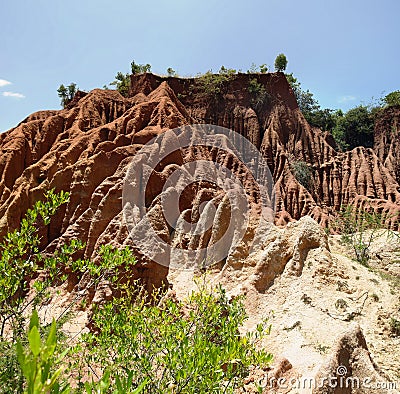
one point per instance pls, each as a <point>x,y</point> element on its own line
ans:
<point>311,308</point>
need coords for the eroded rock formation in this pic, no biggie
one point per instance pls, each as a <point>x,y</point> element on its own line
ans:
<point>86,149</point>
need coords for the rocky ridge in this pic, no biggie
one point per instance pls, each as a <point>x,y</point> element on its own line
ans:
<point>86,148</point>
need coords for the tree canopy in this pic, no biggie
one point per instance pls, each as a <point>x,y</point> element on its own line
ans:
<point>67,93</point>
<point>355,128</point>
<point>281,62</point>
<point>350,129</point>
<point>122,81</point>
<point>392,99</point>
<point>140,68</point>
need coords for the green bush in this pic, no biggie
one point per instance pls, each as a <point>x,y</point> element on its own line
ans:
<point>392,99</point>
<point>140,68</point>
<point>137,343</point>
<point>355,127</point>
<point>281,62</point>
<point>359,229</point>
<point>259,95</point>
<point>395,326</point>
<point>67,93</point>
<point>122,83</point>
<point>37,361</point>
<point>172,346</point>
<point>20,261</point>
<point>211,85</point>
<point>303,173</point>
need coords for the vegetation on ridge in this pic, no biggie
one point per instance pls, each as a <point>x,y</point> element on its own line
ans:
<point>122,81</point>
<point>67,93</point>
<point>349,130</point>
<point>281,63</point>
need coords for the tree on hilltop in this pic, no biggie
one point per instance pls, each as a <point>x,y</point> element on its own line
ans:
<point>140,68</point>
<point>281,62</point>
<point>67,93</point>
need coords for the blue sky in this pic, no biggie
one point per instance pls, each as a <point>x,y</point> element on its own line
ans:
<point>344,51</point>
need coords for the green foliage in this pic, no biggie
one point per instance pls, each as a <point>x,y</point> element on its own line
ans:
<point>305,99</point>
<point>303,173</point>
<point>359,229</point>
<point>281,63</point>
<point>140,68</point>
<point>392,99</point>
<point>38,360</point>
<point>67,93</point>
<point>120,386</point>
<point>258,93</point>
<point>172,346</point>
<point>255,87</point>
<point>254,69</point>
<point>211,85</point>
<point>20,259</point>
<point>122,83</point>
<point>395,327</point>
<point>325,119</point>
<point>263,69</point>
<point>355,128</point>
<point>171,72</point>
<point>138,343</point>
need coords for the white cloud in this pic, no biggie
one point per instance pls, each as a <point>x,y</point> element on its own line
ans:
<point>12,94</point>
<point>3,82</point>
<point>346,99</point>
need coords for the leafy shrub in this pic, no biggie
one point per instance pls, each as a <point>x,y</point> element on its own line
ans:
<point>392,99</point>
<point>281,62</point>
<point>140,68</point>
<point>258,93</point>
<point>67,93</point>
<point>138,343</point>
<point>122,83</point>
<point>359,230</point>
<point>395,326</point>
<point>211,85</point>
<point>20,260</point>
<point>173,346</point>
<point>38,360</point>
<point>355,128</point>
<point>302,173</point>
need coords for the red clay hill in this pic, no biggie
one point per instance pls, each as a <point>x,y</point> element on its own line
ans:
<point>86,149</point>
